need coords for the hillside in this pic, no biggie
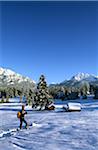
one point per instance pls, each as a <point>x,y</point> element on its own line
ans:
<point>80,78</point>
<point>9,78</point>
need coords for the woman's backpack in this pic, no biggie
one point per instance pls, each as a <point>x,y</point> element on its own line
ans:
<point>18,114</point>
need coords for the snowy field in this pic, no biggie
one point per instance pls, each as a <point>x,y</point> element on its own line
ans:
<point>54,130</point>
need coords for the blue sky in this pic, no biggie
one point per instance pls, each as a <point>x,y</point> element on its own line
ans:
<point>57,39</point>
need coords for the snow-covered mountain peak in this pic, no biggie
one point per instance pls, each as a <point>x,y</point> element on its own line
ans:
<point>9,77</point>
<point>82,76</point>
<point>7,72</point>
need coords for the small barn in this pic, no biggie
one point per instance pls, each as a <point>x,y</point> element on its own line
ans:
<point>71,106</point>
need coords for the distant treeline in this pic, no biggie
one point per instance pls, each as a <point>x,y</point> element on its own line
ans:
<point>55,92</point>
<point>12,92</point>
<point>64,92</point>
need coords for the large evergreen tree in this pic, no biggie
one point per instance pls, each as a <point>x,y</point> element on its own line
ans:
<point>41,98</point>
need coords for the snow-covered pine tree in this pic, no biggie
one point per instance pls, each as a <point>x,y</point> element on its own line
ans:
<point>41,98</point>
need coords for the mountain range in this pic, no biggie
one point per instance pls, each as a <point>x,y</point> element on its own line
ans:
<point>9,78</point>
<point>78,79</point>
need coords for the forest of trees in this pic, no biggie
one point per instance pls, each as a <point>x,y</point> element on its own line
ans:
<point>64,92</point>
<point>43,93</point>
<point>11,92</point>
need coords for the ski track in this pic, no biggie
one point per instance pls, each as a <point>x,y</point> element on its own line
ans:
<point>52,130</point>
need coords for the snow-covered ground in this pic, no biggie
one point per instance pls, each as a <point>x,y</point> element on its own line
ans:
<point>53,130</point>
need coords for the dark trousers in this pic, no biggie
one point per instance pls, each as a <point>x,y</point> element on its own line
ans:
<point>21,122</point>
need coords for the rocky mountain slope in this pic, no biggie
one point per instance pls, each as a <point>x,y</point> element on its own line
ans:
<point>9,78</point>
<point>80,78</point>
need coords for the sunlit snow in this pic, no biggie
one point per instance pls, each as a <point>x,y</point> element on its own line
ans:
<point>51,130</point>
